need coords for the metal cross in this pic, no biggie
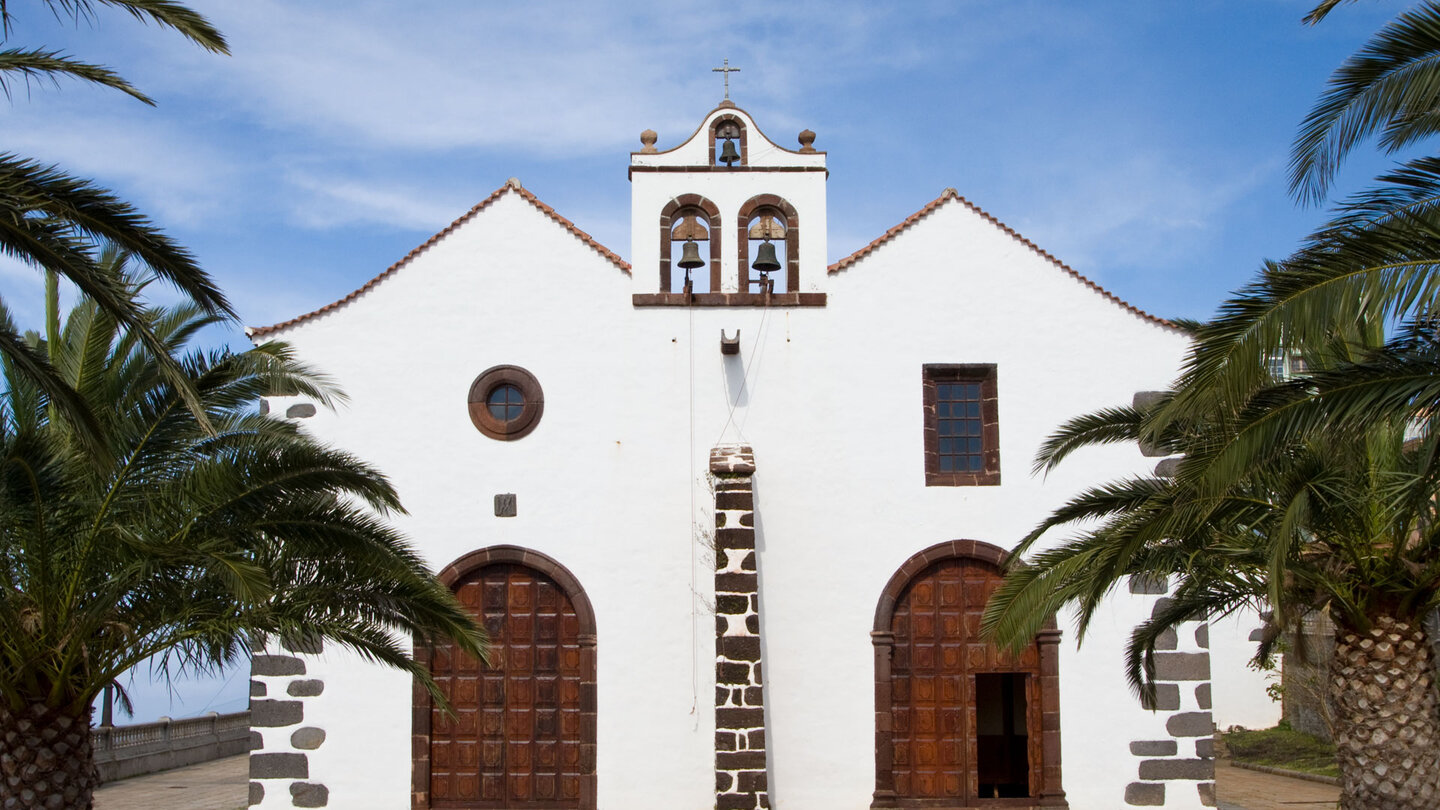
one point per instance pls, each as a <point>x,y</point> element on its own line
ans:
<point>726,71</point>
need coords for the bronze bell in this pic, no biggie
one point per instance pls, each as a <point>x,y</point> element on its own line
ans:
<point>690,256</point>
<point>728,154</point>
<point>765,259</point>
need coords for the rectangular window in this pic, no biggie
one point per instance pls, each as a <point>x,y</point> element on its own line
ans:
<point>962,426</point>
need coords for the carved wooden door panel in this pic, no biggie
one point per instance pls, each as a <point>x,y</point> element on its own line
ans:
<point>950,738</point>
<point>515,739</point>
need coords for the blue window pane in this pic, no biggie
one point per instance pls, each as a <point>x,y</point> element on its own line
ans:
<point>972,391</point>
<point>951,428</point>
<point>975,464</point>
<point>505,403</point>
<point>974,445</point>
<point>947,464</point>
<point>972,410</point>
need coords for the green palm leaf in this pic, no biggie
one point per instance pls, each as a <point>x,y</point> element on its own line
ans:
<point>1389,88</point>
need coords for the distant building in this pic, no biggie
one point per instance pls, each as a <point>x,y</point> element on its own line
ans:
<point>731,531</point>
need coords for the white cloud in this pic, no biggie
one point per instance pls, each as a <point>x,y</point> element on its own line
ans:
<point>574,77</point>
<point>1138,208</point>
<point>176,178</point>
<point>328,201</point>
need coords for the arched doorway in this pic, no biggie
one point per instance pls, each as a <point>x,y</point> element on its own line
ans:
<point>959,723</point>
<point>523,732</point>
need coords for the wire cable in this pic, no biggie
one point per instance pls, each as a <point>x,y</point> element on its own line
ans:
<point>745,378</point>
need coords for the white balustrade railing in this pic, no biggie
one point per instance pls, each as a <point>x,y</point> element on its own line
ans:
<point>122,751</point>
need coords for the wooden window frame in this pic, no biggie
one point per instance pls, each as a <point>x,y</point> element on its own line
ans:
<point>882,637</point>
<point>932,374</point>
<point>421,703</point>
<point>506,430</point>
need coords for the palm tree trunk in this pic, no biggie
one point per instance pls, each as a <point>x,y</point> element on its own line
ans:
<point>46,760</point>
<point>1387,730</point>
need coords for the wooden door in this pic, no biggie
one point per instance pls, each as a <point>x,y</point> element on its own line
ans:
<point>515,741</point>
<point>938,652</point>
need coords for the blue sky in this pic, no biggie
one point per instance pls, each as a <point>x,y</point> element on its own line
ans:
<point>1144,143</point>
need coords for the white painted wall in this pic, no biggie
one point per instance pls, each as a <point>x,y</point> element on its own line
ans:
<point>1240,696</point>
<point>612,482</point>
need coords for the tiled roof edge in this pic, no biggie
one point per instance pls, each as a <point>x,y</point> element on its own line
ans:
<point>952,194</point>
<point>510,185</point>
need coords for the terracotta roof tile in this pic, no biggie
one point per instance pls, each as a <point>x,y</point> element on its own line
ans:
<point>510,185</point>
<point>951,194</point>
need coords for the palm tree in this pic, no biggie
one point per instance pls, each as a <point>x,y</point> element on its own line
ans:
<point>1377,260</point>
<point>180,544</point>
<point>1340,523</point>
<point>52,221</point>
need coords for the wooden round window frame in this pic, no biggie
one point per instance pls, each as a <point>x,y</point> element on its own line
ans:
<point>506,430</point>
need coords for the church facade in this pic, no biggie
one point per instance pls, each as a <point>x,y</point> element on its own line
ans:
<point>730,513</point>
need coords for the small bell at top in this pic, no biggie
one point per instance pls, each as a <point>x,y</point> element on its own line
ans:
<point>690,256</point>
<point>765,259</point>
<point>728,154</point>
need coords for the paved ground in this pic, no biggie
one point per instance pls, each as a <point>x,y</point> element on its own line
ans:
<point>220,785</point>
<point>224,784</point>
<point>1239,789</point>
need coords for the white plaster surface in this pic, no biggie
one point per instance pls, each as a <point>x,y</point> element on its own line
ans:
<point>1240,697</point>
<point>611,482</point>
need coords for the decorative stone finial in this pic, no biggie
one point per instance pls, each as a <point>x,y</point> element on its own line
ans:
<point>807,140</point>
<point>514,182</point>
<point>648,137</point>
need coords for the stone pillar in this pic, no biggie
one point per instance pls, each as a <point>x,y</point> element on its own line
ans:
<point>741,780</point>
<point>279,738</point>
<point>1177,771</point>
<point>1051,794</point>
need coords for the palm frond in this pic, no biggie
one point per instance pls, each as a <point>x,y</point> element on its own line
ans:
<point>1389,88</point>
<point>165,13</point>
<point>184,543</point>
<point>1321,11</point>
<point>1108,426</point>
<point>42,65</point>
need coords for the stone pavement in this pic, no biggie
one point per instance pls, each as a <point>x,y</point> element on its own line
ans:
<point>1240,789</point>
<point>224,785</point>
<point>220,785</point>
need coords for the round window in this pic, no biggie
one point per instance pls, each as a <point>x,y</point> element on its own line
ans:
<point>506,402</point>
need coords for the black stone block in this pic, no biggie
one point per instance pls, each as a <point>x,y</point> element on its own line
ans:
<point>279,766</point>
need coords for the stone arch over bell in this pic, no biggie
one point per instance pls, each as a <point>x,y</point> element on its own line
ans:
<point>674,212</point>
<point>733,126</point>
<point>782,211</point>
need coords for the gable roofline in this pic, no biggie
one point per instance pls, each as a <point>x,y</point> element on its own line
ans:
<point>511,186</point>
<point>950,194</point>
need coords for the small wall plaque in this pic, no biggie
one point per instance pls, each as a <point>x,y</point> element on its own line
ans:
<point>505,505</point>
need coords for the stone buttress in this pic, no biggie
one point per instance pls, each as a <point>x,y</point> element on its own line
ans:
<point>741,781</point>
<point>1178,768</point>
<point>280,738</point>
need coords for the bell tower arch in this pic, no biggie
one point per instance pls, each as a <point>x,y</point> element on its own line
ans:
<point>728,171</point>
